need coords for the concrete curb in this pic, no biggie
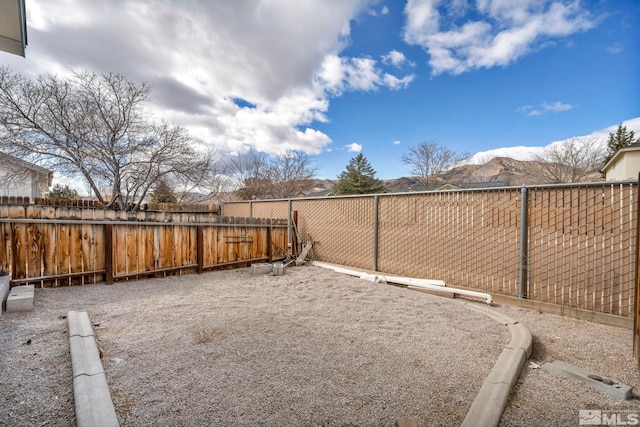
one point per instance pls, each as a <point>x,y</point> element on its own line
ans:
<point>493,397</point>
<point>93,404</point>
<point>20,298</point>
<point>613,388</point>
<point>4,292</point>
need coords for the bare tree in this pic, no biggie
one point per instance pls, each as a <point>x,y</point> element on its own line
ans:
<point>484,171</point>
<point>220,187</point>
<point>251,172</point>
<point>261,176</point>
<point>571,161</point>
<point>96,127</point>
<point>291,174</point>
<point>428,159</point>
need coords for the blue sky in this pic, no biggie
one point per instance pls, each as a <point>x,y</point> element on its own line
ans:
<point>335,77</point>
<point>590,77</point>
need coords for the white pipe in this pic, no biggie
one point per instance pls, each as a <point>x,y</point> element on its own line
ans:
<point>409,281</point>
<point>434,285</point>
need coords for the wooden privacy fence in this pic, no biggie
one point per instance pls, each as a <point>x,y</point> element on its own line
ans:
<point>57,252</point>
<point>572,246</point>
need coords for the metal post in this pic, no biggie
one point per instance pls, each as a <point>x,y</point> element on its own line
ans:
<point>524,242</point>
<point>375,232</point>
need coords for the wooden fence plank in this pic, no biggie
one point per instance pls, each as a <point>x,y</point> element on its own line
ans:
<point>62,253</point>
<point>120,250</point>
<point>88,257</point>
<point>76,255</point>
<point>192,255</point>
<point>48,252</point>
<point>5,247</point>
<point>149,248</point>
<point>132,249</point>
<point>34,250</point>
<point>18,248</point>
<point>178,246</point>
<point>166,247</point>
<point>108,253</point>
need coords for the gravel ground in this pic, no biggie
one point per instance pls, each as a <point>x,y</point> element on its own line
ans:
<point>310,348</point>
<point>544,399</point>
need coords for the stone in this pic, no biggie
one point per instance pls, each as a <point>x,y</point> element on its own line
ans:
<point>20,299</point>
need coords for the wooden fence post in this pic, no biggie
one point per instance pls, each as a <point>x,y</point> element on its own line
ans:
<point>200,247</point>
<point>289,233</point>
<point>108,253</point>
<point>294,238</point>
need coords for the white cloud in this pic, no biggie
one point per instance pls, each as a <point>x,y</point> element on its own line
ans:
<point>361,73</point>
<point>338,75</point>
<point>614,49</point>
<point>529,153</point>
<point>397,59</point>
<point>282,59</point>
<point>383,11</point>
<point>517,153</point>
<point>545,107</point>
<point>396,142</point>
<point>394,83</point>
<point>631,125</point>
<point>354,147</point>
<point>494,33</point>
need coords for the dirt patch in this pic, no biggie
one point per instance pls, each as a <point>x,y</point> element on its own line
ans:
<point>310,348</point>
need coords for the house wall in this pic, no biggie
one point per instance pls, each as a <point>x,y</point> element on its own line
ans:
<point>626,167</point>
<point>26,185</point>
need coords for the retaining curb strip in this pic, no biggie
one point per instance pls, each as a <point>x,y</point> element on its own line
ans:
<point>93,404</point>
<point>493,396</point>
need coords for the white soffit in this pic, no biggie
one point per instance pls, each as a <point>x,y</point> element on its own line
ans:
<point>13,26</point>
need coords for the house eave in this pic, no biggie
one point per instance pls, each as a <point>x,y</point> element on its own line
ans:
<point>617,156</point>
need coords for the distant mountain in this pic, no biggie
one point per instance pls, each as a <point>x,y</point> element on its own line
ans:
<point>319,187</point>
<point>499,171</point>
<point>504,170</point>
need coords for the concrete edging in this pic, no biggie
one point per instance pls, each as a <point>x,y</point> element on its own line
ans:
<point>93,404</point>
<point>493,396</point>
<point>4,291</point>
<point>20,299</point>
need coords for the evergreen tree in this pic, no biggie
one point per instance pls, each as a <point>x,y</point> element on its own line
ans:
<point>359,178</point>
<point>60,192</point>
<point>621,139</point>
<point>163,193</point>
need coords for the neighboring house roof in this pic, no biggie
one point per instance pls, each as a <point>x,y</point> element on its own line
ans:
<point>16,162</point>
<point>322,193</point>
<point>620,153</point>
<point>458,186</point>
<point>472,185</point>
